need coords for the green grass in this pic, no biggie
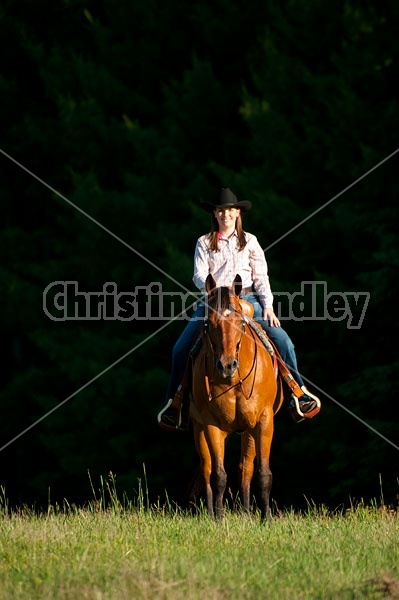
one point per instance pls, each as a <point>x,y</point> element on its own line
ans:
<point>131,551</point>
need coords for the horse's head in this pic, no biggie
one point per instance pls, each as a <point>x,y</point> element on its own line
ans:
<point>225,325</point>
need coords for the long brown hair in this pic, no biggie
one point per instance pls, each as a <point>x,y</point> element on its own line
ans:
<point>213,234</point>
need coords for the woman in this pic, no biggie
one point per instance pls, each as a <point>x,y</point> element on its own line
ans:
<point>224,252</point>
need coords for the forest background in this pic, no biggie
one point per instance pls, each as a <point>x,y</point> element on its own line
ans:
<point>117,118</point>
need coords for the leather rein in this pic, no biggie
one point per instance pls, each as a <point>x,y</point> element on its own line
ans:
<point>210,382</point>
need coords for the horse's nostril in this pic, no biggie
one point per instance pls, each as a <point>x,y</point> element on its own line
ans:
<point>232,365</point>
<point>227,367</point>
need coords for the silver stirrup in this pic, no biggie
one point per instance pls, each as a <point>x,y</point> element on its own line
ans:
<point>296,402</point>
<point>169,403</point>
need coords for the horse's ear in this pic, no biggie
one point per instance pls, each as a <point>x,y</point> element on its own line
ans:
<point>210,283</point>
<point>237,284</point>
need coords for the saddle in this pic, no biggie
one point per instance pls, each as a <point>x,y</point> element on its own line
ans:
<point>180,399</point>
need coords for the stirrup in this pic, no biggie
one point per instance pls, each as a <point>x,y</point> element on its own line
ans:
<point>165,425</point>
<point>310,414</point>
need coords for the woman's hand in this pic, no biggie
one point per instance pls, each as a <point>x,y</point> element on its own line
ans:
<point>268,314</point>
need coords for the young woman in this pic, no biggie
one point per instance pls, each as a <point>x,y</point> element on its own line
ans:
<point>224,252</point>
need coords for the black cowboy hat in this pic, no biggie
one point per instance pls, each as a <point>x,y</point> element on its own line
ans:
<point>226,199</point>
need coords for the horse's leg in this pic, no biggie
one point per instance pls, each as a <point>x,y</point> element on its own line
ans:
<point>263,440</point>
<point>246,467</point>
<point>216,444</point>
<point>205,464</point>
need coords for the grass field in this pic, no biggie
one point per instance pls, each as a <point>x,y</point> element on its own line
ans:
<point>117,551</point>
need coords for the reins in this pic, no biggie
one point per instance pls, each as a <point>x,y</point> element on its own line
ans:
<point>209,383</point>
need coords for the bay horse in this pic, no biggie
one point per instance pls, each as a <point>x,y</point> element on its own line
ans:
<point>234,389</point>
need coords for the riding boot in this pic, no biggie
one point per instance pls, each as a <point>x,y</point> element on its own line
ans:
<point>169,417</point>
<point>175,414</point>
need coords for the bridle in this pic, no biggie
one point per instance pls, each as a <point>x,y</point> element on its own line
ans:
<point>210,347</point>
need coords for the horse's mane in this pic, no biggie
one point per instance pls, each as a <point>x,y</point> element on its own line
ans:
<point>220,299</point>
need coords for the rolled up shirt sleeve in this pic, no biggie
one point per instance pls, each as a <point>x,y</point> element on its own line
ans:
<point>260,275</point>
<point>201,264</point>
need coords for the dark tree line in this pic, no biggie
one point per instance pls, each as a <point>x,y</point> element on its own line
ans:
<point>134,112</point>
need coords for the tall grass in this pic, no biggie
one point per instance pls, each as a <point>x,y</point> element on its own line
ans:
<point>116,549</point>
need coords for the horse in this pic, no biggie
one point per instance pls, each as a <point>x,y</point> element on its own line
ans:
<point>234,388</point>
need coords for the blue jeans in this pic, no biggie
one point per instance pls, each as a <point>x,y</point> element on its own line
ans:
<point>183,345</point>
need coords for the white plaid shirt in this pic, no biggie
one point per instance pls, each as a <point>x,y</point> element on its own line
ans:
<point>225,264</point>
